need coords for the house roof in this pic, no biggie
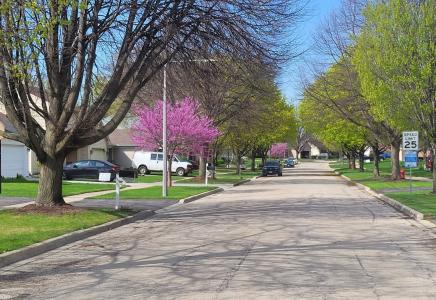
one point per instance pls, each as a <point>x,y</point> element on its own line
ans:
<point>121,137</point>
<point>7,124</point>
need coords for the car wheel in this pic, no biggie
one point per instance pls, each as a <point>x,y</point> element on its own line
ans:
<point>142,170</point>
<point>180,172</point>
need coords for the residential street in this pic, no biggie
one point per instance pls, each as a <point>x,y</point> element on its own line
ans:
<point>306,235</point>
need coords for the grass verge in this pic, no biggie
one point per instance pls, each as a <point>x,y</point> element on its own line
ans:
<point>377,183</point>
<point>155,193</point>
<point>422,201</point>
<point>20,230</point>
<point>223,177</point>
<point>30,189</point>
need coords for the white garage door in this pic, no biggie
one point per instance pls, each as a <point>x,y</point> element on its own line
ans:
<point>14,160</point>
<point>98,154</point>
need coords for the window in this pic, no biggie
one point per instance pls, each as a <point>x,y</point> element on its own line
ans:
<point>82,164</point>
<point>99,164</point>
<point>160,157</point>
<point>153,156</point>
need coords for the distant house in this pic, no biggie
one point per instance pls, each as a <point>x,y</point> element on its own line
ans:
<point>314,149</point>
<point>121,148</point>
<point>14,155</point>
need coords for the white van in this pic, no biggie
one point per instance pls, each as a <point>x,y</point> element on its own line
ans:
<point>147,162</point>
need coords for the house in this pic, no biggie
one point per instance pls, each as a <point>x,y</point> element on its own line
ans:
<point>98,150</point>
<point>314,149</point>
<point>14,155</point>
<point>121,148</point>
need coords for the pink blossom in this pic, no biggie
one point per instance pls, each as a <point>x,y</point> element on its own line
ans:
<point>187,130</point>
<point>279,150</point>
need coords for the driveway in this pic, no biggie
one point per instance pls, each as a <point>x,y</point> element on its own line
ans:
<point>306,235</point>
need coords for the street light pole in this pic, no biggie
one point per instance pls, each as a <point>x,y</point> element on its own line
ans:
<point>164,123</point>
<point>164,135</point>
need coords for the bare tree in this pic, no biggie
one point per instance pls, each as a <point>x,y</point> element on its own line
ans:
<point>301,140</point>
<point>61,46</point>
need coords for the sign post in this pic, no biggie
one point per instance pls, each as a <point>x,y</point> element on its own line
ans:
<point>117,192</point>
<point>2,128</point>
<point>410,147</point>
<point>207,174</point>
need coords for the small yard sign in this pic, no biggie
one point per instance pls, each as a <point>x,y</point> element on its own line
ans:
<point>410,140</point>
<point>106,177</point>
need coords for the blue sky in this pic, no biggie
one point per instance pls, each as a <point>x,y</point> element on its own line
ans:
<point>318,11</point>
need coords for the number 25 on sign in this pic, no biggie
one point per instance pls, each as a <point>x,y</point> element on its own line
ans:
<point>410,140</point>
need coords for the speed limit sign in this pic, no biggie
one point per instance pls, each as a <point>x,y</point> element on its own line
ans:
<point>410,140</point>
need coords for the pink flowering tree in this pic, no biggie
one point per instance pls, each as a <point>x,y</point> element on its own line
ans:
<point>187,130</point>
<point>279,150</point>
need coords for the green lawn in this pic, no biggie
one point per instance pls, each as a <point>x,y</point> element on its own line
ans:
<point>148,179</point>
<point>158,177</point>
<point>20,230</point>
<point>385,168</point>
<point>389,184</point>
<point>383,182</point>
<point>155,193</point>
<point>30,189</point>
<point>422,201</point>
<point>226,176</point>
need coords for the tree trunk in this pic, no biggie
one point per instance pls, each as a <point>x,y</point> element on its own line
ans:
<point>361,161</point>
<point>376,152</point>
<point>395,160</point>
<point>433,155</point>
<point>170,167</point>
<point>50,182</point>
<point>202,167</point>
<point>353,161</point>
<point>238,167</point>
<point>253,161</point>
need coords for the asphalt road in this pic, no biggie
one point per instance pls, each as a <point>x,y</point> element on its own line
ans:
<point>306,235</point>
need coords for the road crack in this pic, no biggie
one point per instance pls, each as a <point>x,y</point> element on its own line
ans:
<point>232,273</point>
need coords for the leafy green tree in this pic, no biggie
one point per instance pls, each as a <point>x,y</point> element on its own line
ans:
<point>395,57</point>
<point>334,131</point>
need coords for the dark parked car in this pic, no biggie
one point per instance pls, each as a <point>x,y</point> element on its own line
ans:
<point>289,163</point>
<point>90,169</point>
<point>272,167</point>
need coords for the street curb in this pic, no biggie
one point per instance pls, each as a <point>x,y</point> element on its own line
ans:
<point>199,196</point>
<point>394,203</point>
<point>56,242</point>
<point>242,182</point>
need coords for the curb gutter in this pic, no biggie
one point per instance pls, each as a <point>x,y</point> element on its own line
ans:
<point>241,182</point>
<point>202,195</point>
<point>394,203</point>
<point>56,242</point>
